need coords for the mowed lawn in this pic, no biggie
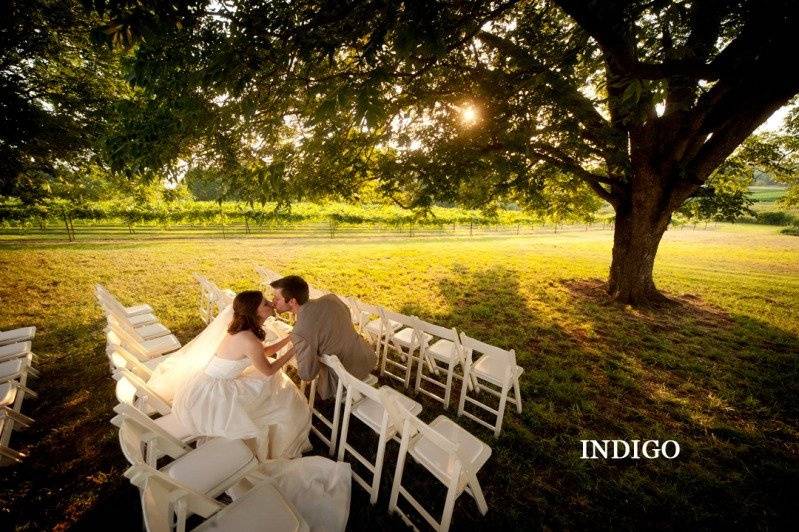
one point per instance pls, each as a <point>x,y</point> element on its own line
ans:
<point>717,371</point>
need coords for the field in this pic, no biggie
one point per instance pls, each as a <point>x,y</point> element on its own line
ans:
<point>716,370</point>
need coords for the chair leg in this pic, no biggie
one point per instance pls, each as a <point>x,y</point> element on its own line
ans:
<point>336,415</point>
<point>518,395</point>
<point>345,425</point>
<point>476,492</point>
<point>409,369</point>
<point>419,371</point>
<point>381,454</point>
<point>462,402</point>
<point>501,410</point>
<point>449,505</point>
<point>395,487</point>
<point>448,389</point>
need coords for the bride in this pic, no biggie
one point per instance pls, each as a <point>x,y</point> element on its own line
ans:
<point>222,384</point>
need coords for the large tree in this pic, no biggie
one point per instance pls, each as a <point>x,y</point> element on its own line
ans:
<point>57,91</point>
<point>640,100</point>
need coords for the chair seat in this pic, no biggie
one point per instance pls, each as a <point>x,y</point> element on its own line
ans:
<point>153,362</point>
<point>7,394</point>
<point>443,350</point>
<point>261,508</point>
<point>139,320</point>
<point>14,336</point>
<point>14,350</point>
<point>171,424</point>
<point>211,465</point>
<point>375,327</point>
<point>152,331</point>
<point>492,369</point>
<point>407,338</point>
<point>135,310</point>
<point>371,380</point>
<point>14,366</point>
<point>471,450</point>
<point>160,346</point>
<point>371,412</point>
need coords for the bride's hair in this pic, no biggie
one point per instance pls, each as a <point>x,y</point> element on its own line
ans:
<point>245,313</point>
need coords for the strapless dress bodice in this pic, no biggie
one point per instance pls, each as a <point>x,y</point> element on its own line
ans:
<point>225,368</point>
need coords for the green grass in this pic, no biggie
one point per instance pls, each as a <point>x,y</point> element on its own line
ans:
<point>716,371</point>
<point>768,194</point>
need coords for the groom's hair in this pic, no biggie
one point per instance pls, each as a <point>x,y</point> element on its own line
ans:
<point>292,287</point>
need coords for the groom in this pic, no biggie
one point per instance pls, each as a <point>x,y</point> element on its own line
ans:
<point>323,327</point>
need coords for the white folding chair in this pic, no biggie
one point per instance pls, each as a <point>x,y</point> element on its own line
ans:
<point>131,388</point>
<point>404,342</point>
<point>120,358</point>
<point>211,468</point>
<point>442,353</point>
<point>373,325</point>
<point>17,368</point>
<point>10,419</point>
<point>367,404</point>
<point>134,310</point>
<point>267,276</point>
<point>14,336</point>
<point>355,314</point>
<point>13,355</point>
<point>165,435</point>
<point>496,368</point>
<point>208,294</point>
<point>450,453</point>
<point>13,390</point>
<point>333,364</point>
<point>167,504</point>
<point>145,332</point>
<point>144,349</point>
<point>111,306</point>
<point>18,350</point>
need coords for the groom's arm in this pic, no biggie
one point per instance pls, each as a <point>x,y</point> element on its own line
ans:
<point>307,359</point>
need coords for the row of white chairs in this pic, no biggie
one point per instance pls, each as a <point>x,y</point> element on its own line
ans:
<point>212,298</point>
<point>450,453</point>
<point>16,366</point>
<point>136,328</point>
<point>195,476</point>
<point>441,355</point>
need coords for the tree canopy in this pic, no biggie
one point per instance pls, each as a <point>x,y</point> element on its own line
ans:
<point>57,93</point>
<point>537,102</point>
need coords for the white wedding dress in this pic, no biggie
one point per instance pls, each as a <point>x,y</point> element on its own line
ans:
<point>213,396</point>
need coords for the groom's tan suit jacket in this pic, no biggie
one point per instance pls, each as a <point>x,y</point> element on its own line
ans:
<point>324,327</point>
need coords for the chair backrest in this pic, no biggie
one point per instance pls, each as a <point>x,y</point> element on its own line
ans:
<point>167,502</point>
<point>437,331</point>
<point>470,345</point>
<point>267,275</point>
<point>412,425</point>
<point>108,302</point>
<point>121,358</point>
<point>144,392</point>
<point>126,334</point>
<point>157,440</point>
<point>407,321</point>
<point>132,440</point>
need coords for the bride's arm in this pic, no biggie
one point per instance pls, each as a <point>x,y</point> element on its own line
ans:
<point>266,367</point>
<point>277,346</point>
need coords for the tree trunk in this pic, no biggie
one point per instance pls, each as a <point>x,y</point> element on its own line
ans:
<point>637,233</point>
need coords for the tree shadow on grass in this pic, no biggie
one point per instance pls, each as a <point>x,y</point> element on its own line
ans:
<point>722,386</point>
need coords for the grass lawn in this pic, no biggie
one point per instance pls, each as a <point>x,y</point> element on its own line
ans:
<point>717,371</point>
